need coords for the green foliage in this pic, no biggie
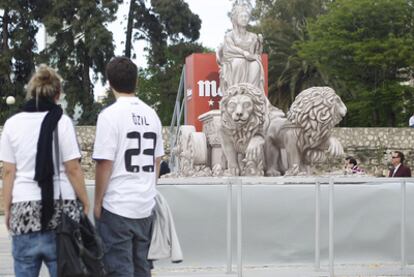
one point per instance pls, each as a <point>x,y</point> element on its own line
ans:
<point>17,42</point>
<point>81,43</point>
<point>366,47</point>
<point>159,86</point>
<point>160,23</point>
<point>171,29</point>
<point>109,98</point>
<point>177,19</point>
<point>147,90</point>
<point>283,24</point>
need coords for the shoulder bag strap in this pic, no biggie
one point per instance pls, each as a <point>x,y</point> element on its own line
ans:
<point>57,165</point>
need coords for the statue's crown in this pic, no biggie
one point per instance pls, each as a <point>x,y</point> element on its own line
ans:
<point>245,4</point>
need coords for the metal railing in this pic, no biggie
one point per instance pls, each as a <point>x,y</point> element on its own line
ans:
<point>179,107</point>
<point>239,182</point>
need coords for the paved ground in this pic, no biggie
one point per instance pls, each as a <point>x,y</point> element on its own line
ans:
<point>6,267</point>
<point>5,258</point>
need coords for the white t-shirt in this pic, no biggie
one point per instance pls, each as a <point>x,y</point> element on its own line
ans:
<point>395,170</point>
<point>411,121</point>
<point>129,133</point>
<point>18,145</point>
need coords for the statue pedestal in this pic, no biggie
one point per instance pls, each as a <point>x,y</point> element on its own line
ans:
<point>211,124</point>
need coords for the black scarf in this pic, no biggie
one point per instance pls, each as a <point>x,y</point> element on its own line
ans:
<point>44,169</point>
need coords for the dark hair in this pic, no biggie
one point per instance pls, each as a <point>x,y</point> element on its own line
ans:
<point>400,155</point>
<point>353,161</point>
<point>348,158</point>
<point>122,74</point>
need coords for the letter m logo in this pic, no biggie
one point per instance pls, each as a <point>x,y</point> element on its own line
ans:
<point>207,88</point>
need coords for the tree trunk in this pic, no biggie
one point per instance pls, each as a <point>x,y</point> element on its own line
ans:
<point>5,31</point>
<point>32,29</point>
<point>87,84</point>
<point>5,79</point>
<point>376,117</point>
<point>392,119</point>
<point>128,40</point>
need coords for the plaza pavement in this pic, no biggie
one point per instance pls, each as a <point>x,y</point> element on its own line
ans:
<point>6,267</point>
<point>6,263</point>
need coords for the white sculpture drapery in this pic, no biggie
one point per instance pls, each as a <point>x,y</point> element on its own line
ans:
<point>239,57</point>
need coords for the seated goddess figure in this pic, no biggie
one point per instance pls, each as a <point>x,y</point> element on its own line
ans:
<point>239,57</point>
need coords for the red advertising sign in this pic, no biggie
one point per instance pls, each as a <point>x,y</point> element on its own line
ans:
<point>202,84</point>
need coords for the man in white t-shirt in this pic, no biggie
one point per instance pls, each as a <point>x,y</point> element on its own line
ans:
<point>128,150</point>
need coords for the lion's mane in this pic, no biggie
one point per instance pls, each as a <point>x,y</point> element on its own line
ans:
<point>315,111</point>
<point>241,135</point>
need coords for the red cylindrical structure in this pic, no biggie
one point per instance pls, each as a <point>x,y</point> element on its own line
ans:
<point>202,86</point>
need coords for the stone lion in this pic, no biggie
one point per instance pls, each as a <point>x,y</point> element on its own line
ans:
<point>302,138</point>
<point>244,114</point>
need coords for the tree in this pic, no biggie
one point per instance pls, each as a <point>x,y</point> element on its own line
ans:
<point>158,88</point>
<point>81,43</point>
<point>158,23</point>
<point>166,80</point>
<point>170,29</point>
<point>283,24</point>
<point>18,23</point>
<point>368,47</point>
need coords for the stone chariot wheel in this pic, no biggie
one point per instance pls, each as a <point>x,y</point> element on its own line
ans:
<point>197,147</point>
<point>183,135</point>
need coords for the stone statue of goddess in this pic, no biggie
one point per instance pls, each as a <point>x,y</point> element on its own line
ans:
<point>239,57</point>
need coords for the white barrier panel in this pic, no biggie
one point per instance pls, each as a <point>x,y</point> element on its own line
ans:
<point>278,221</point>
<point>371,221</point>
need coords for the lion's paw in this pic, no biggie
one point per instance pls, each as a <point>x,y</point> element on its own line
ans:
<point>335,147</point>
<point>232,171</point>
<point>254,151</point>
<point>273,173</point>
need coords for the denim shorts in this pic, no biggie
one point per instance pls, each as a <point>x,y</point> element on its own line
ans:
<point>30,250</point>
<point>126,243</point>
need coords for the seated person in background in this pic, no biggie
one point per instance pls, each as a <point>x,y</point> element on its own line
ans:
<point>411,121</point>
<point>399,169</point>
<point>346,164</point>
<point>351,166</point>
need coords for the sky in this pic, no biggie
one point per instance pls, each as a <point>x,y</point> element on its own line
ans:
<point>214,23</point>
<point>213,14</point>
